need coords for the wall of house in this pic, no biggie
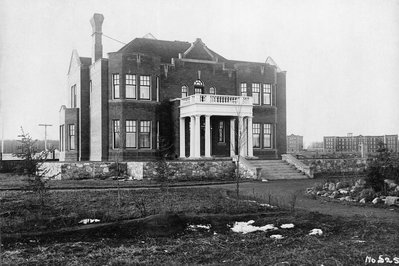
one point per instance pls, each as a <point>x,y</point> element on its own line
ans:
<point>84,114</point>
<point>281,127</point>
<point>99,111</point>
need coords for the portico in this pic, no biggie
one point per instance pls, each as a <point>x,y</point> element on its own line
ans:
<point>218,125</point>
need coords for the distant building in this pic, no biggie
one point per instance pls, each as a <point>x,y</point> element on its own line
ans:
<point>351,143</point>
<point>294,143</point>
<point>316,146</point>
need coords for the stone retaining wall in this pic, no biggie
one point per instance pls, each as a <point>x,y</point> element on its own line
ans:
<point>336,166</point>
<point>180,170</point>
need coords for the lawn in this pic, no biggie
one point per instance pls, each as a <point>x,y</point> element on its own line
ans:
<point>345,241</point>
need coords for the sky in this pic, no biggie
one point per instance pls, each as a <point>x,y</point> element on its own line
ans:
<point>341,56</point>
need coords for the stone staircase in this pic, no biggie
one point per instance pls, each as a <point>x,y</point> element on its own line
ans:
<point>277,169</point>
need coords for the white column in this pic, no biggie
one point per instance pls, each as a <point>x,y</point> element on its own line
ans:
<point>250,145</point>
<point>197,137</point>
<point>207,136</point>
<point>241,139</point>
<point>192,130</point>
<point>232,137</point>
<point>182,137</point>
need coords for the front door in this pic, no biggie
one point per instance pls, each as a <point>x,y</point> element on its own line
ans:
<point>220,135</point>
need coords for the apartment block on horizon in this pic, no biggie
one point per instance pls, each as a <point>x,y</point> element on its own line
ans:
<point>294,143</point>
<point>351,143</point>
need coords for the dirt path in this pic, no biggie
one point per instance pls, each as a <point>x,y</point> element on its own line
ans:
<point>283,191</point>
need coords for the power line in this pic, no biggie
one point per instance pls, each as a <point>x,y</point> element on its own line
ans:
<point>113,39</point>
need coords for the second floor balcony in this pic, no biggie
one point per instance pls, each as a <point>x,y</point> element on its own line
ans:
<point>210,104</point>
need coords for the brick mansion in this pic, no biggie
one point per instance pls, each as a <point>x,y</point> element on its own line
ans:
<point>155,94</point>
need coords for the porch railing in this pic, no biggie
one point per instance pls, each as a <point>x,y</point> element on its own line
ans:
<point>216,99</point>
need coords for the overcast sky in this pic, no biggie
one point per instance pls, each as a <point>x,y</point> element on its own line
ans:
<point>341,57</point>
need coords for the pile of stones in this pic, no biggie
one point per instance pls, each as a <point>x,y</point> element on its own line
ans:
<point>357,192</point>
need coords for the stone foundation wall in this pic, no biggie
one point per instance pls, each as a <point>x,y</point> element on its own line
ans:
<point>180,170</point>
<point>336,166</point>
<point>193,170</point>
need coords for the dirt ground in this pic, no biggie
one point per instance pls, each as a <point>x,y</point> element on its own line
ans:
<point>284,190</point>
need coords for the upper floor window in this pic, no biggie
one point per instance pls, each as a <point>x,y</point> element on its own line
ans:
<point>145,134</point>
<point>184,91</point>
<point>212,90</point>
<point>256,135</point>
<point>73,96</point>
<point>267,94</point>
<point>71,135</point>
<point>131,130</point>
<point>243,89</point>
<point>130,86</point>
<point>267,135</point>
<point>115,85</point>
<point>255,92</point>
<point>115,134</point>
<point>145,83</point>
<point>198,87</point>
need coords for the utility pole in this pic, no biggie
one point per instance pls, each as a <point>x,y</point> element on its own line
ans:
<point>45,134</point>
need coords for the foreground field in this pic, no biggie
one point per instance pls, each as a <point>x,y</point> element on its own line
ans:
<point>344,241</point>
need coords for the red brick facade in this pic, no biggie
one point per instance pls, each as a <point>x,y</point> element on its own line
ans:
<point>128,88</point>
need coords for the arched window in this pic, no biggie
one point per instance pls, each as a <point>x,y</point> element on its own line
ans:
<point>198,87</point>
<point>184,91</point>
<point>212,90</point>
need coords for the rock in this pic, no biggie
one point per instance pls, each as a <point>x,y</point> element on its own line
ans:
<point>363,200</point>
<point>391,183</point>
<point>360,183</point>
<point>325,194</point>
<point>325,186</point>
<point>376,200</point>
<point>331,186</point>
<point>392,200</point>
<point>319,193</point>
<point>343,191</point>
<point>397,189</point>
<point>342,198</point>
<point>348,198</point>
<point>339,185</point>
<point>334,195</point>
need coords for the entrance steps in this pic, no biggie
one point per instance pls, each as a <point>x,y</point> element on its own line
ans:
<point>277,169</point>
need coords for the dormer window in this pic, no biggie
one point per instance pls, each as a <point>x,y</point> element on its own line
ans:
<point>198,87</point>
<point>184,91</point>
<point>212,90</point>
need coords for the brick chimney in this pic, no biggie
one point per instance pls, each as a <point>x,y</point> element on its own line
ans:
<point>96,23</point>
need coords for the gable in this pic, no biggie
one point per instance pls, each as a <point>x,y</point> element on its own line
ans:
<point>198,50</point>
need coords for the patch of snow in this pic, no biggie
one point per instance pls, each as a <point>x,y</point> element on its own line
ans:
<point>286,226</point>
<point>247,227</point>
<point>315,232</point>
<point>265,180</point>
<point>359,241</point>
<point>196,226</point>
<point>89,221</point>
<point>277,236</point>
<point>267,205</point>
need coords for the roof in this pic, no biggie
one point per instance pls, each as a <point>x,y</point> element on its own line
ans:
<point>166,49</point>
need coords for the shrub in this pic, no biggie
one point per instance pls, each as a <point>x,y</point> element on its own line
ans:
<point>367,194</point>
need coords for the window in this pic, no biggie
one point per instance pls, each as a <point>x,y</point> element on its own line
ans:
<point>73,96</point>
<point>212,90</point>
<point>145,134</point>
<point>130,86</point>
<point>221,131</point>
<point>115,134</point>
<point>115,85</point>
<point>243,89</point>
<point>267,94</point>
<point>131,129</point>
<point>62,141</point>
<point>71,133</point>
<point>255,92</point>
<point>184,91</point>
<point>198,87</point>
<point>267,136</point>
<point>256,135</point>
<point>145,87</point>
